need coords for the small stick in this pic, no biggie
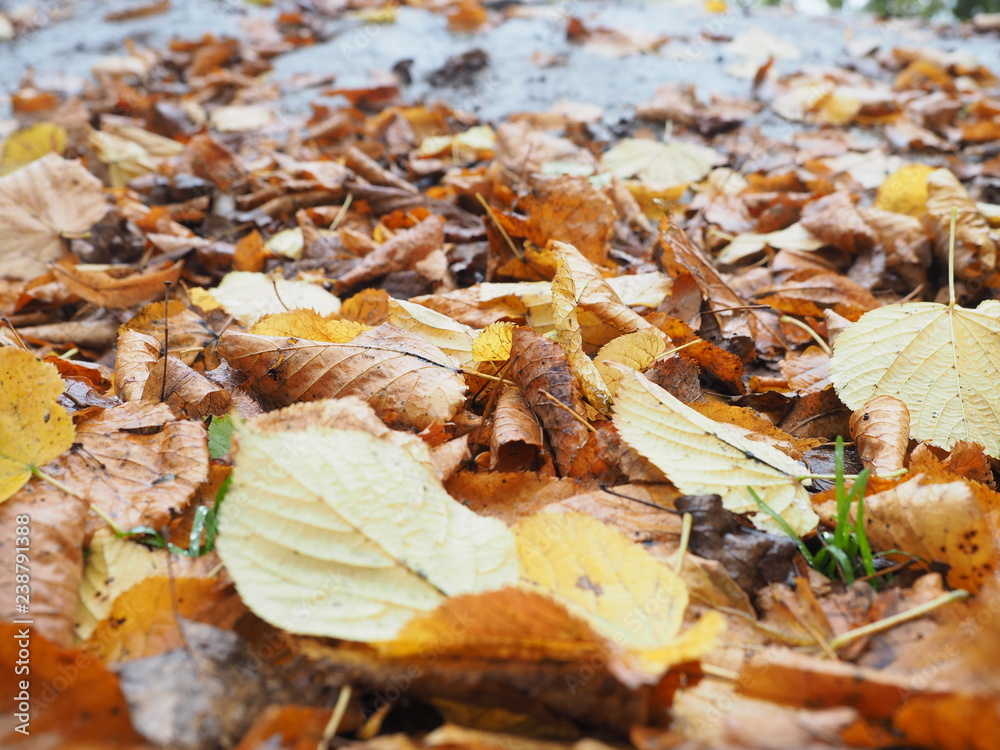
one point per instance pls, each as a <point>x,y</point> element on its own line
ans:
<point>487,377</point>
<point>566,409</point>
<point>335,718</point>
<point>489,210</point>
<point>815,336</point>
<point>166,339</point>
<point>687,521</point>
<point>890,622</point>
<point>17,336</point>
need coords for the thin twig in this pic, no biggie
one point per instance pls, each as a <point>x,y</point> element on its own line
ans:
<point>17,336</point>
<point>566,409</point>
<point>330,731</point>
<point>890,622</point>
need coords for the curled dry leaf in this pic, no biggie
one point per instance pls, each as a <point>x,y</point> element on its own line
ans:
<point>564,301</point>
<point>975,249</point>
<point>517,437</point>
<point>636,350</point>
<point>940,360</point>
<point>539,367</point>
<point>760,325</point>
<point>807,372</point>
<point>189,393</point>
<point>881,431</point>
<point>625,594</point>
<point>940,523</point>
<point>34,429</point>
<point>835,220</point>
<point>190,335</point>
<point>119,287</point>
<point>399,253</point>
<point>410,382</point>
<point>134,358</point>
<point>702,456</point>
<point>337,533</point>
<point>40,204</point>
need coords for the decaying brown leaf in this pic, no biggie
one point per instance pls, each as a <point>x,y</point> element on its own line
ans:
<point>108,289</point>
<point>541,370</point>
<point>517,436</point>
<point>410,383</point>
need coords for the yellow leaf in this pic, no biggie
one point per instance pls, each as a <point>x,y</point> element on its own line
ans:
<point>564,300</point>
<point>250,296</point>
<point>31,143</point>
<point>450,336</point>
<point>942,361</point>
<point>288,243</point>
<point>203,299</point>
<point>34,429</point>
<point>636,350</point>
<point>125,159</point>
<point>493,343</point>
<point>905,190</point>
<point>336,533</point>
<point>307,324</point>
<point>623,592</point>
<point>702,456</point>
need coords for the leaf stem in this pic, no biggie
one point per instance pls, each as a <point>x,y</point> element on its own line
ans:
<point>951,257</point>
<point>808,329</point>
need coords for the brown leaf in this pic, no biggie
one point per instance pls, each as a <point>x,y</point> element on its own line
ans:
<point>817,415</point>
<point>135,357</point>
<point>189,393</point>
<point>807,372</point>
<point>135,462</point>
<point>191,338</point>
<point>538,364</point>
<point>75,700</point>
<point>54,535</point>
<point>369,306</point>
<point>761,326</point>
<point>408,381</point>
<point>677,375</point>
<point>881,431</point>
<point>943,524</point>
<point>517,436</point>
<point>509,495</point>
<point>963,459</point>
<point>822,291</point>
<point>566,209</point>
<point>400,253</point>
<point>143,620</point>
<point>118,287</point>
<point>975,250</point>
<point>722,365</point>
<point>39,204</point>
<point>836,221</point>
<point>204,693</point>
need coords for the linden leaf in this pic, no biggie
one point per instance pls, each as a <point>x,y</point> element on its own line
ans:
<point>34,429</point>
<point>661,164</point>
<point>702,456</point>
<point>451,337</point>
<point>624,593</point>
<point>942,361</point>
<point>337,533</point>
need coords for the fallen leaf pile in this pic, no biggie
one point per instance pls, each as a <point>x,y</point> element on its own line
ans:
<point>418,430</point>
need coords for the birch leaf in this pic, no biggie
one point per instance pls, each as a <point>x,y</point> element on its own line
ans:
<point>337,533</point>
<point>942,361</point>
<point>636,350</point>
<point>702,456</point>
